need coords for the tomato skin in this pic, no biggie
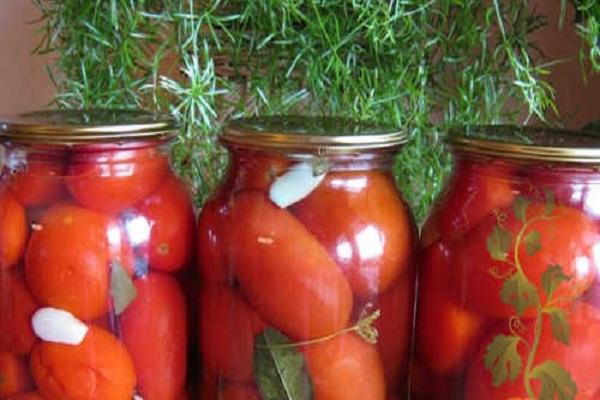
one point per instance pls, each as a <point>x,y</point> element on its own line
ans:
<point>475,192</point>
<point>98,369</point>
<point>345,368</point>
<point>227,329</point>
<point>286,274</point>
<point>154,331</point>
<point>170,214</point>
<point>111,180</point>
<point>67,260</point>
<point>16,308</point>
<point>447,334</point>
<point>15,376</point>
<point>580,358</point>
<point>361,221</point>
<point>27,396</point>
<point>239,392</point>
<point>568,238</point>
<point>13,230</point>
<point>39,183</point>
<point>212,262</point>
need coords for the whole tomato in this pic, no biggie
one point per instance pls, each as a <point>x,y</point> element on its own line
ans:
<point>565,237</point>
<point>170,214</point>
<point>39,183</point>
<point>109,180</point>
<point>16,308</point>
<point>99,368</point>
<point>284,271</point>
<point>345,368</point>
<point>13,230</point>
<point>157,320</point>
<point>364,225</point>
<point>67,261</point>
<point>227,329</point>
<point>447,334</point>
<point>15,375</point>
<point>578,358</point>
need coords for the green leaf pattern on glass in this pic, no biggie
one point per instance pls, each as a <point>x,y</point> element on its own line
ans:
<point>280,370</point>
<point>511,356</point>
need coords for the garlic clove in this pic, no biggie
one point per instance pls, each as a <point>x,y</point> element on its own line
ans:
<point>295,184</point>
<point>58,326</point>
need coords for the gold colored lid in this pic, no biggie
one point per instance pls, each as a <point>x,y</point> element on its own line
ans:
<point>528,143</point>
<point>85,126</point>
<point>322,135</point>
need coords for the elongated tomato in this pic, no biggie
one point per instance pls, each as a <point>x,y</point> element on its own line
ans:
<point>16,308</point>
<point>154,331</point>
<point>345,368</point>
<point>284,271</point>
<point>361,221</point>
<point>14,375</point>
<point>13,230</point>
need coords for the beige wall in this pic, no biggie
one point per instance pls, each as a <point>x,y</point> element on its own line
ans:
<point>24,84</point>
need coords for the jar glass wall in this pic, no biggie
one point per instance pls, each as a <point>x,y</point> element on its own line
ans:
<point>307,265</point>
<point>96,236</point>
<point>508,302</point>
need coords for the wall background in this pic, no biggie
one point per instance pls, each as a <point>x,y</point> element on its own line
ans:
<point>24,83</point>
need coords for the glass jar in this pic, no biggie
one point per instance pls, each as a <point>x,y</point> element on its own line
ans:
<point>509,292</point>
<point>96,234</point>
<point>307,264</point>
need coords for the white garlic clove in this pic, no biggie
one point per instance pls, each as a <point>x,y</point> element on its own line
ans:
<point>295,184</point>
<point>58,326</point>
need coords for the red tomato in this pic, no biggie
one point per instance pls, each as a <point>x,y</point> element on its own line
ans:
<point>212,260</point>
<point>568,238</point>
<point>252,170</point>
<point>39,183</point>
<point>227,329</point>
<point>14,375</point>
<point>476,190</point>
<point>579,358</point>
<point>16,308</point>
<point>170,214</point>
<point>110,180</point>
<point>13,230</point>
<point>27,396</point>
<point>288,276</point>
<point>240,392</point>
<point>395,330</point>
<point>154,330</point>
<point>446,334</point>
<point>67,261</point>
<point>364,225</point>
<point>427,386</point>
<point>345,368</point>
<point>98,369</point>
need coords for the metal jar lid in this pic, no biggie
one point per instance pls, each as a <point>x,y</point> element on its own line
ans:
<point>321,135</point>
<point>69,127</point>
<point>528,143</point>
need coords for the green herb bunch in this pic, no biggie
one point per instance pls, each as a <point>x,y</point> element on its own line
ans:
<point>423,65</point>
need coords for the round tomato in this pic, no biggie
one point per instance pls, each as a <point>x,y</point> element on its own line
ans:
<point>362,222</point>
<point>345,368</point>
<point>566,237</point>
<point>286,274</point>
<point>170,214</point>
<point>477,190</point>
<point>16,308</point>
<point>67,261</point>
<point>156,321</point>
<point>212,260</point>
<point>39,183</point>
<point>111,180</point>
<point>446,333</point>
<point>97,369</point>
<point>579,358</point>
<point>13,230</point>
<point>227,329</point>
<point>14,375</point>
<point>240,392</point>
<point>251,170</point>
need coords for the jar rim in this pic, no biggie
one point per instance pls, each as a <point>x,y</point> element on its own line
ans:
<point>527,143</point>
<point>70,127</point>
<point>321,135</point>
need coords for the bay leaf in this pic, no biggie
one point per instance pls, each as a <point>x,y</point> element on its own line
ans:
<point>122,289</point>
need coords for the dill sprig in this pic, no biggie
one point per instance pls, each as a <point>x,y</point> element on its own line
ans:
<point>424,65</point>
